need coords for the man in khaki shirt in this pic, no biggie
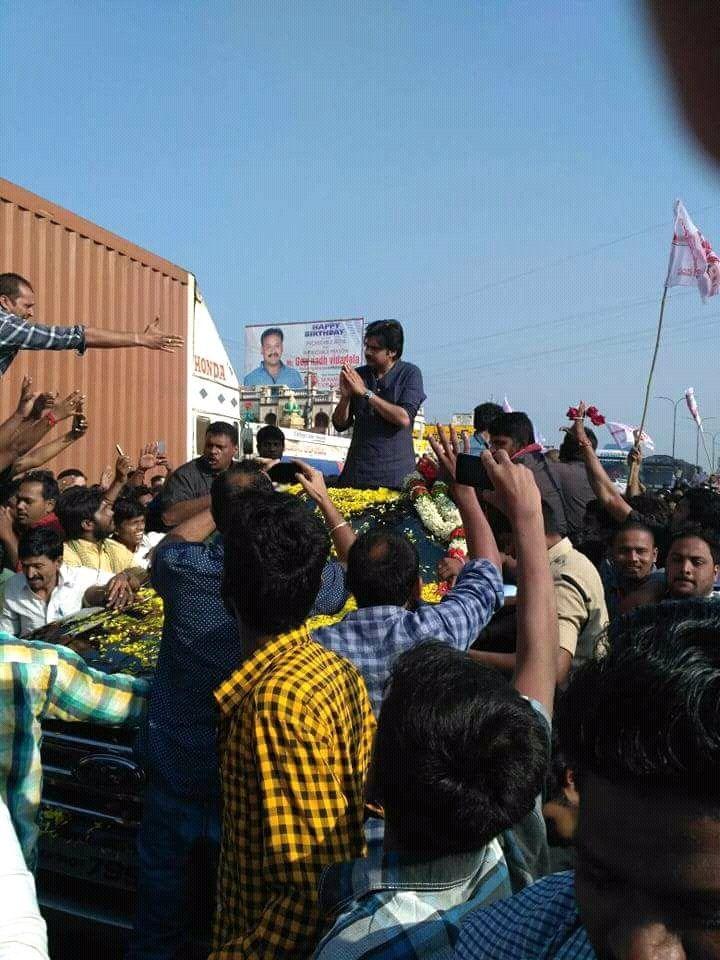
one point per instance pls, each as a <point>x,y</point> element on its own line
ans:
<point>580,600</point>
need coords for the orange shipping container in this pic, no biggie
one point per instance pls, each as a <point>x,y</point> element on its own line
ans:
<point>81,273</point>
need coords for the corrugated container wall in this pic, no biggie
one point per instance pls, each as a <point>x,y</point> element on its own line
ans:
<point>82,274</point>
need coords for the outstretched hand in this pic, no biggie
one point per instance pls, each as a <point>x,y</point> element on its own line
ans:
<point>154,339</point>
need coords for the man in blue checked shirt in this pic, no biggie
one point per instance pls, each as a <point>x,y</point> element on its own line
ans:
<point>463,822</point>
<point>383,575</point>
<point>18,332</point>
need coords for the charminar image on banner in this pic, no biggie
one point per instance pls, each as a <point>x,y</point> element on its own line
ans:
<point>302,354</point>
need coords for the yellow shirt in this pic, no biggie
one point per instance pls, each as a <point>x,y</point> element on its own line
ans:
<point>296,734</point>
<point>107,556</point>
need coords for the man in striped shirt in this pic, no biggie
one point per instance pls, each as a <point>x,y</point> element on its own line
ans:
<point>41,681</point>
<point>18,332</point>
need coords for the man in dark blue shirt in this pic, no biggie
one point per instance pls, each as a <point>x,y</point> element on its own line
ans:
<point>381,401</point>
<point>200,648</point>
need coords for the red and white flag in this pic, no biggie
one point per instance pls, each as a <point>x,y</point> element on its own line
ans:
<point>692,259</point>
<point>624,436</point>
<point>693,407</point>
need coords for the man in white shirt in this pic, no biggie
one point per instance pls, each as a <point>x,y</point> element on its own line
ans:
<point>48,590</point>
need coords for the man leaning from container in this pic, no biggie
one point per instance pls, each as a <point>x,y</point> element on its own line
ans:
<point>18,332</point>
<point>272,371</point>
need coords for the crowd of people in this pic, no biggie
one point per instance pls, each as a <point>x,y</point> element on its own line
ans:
<point>524,769</point>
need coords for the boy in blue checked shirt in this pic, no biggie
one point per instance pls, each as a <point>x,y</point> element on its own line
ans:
<point>463,825</point>
<point>384,576</point>
<point>40,681</point>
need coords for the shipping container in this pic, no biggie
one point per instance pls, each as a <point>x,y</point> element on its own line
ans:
<point>82,273</point>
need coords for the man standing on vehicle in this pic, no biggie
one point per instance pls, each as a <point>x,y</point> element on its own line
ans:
<point>380,400</point>
<point>18,332</point>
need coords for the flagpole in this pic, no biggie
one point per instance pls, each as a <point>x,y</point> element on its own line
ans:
<point>654,360</point>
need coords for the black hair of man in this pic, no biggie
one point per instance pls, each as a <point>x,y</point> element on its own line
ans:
<point>630,525</point>
<point>646,711</point>
<point>127,508</point>
<point>46,479</point>
<point>8,490</point>
<point>224,429</point>
<point>474,753</point>
<point>570,449</point>
<point>383,568</point>
<point>141,490</point>
<point>516,425</point>
<point>71,472</point>
<point>275,552</point>
<point>269,433</point>
<point>11,285</point>
<point>272,332</point>
<point>702,533</point>
<point>703,507</point>
<point>389,333</point>
<point>484,414</point>
<point>653,508</point>
<point>77,505</point>
<point>550,523</point>
<point>40,542</point>
<point>228,487</point>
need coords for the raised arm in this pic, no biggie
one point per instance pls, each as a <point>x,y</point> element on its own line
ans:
<point>478,533</point>
<point>32,431</point>
<point>342,534</point>
<point>20,414</point>
<point>48,451</point>
<point>152,338</point>
<point>603,487</point>
<point>516,494</point>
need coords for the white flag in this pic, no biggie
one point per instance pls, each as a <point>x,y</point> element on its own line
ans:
<point>624,436</point>
<point>506,405</point>
<point>693,261</point>
<point>692,406</point>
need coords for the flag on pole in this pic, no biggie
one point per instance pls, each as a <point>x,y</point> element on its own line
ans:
<point>693,407</point>
<point>624,436</point>
<point>692,259</point>
<point>506,406</point>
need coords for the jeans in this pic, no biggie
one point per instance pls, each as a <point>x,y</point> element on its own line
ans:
<point>175,834</point>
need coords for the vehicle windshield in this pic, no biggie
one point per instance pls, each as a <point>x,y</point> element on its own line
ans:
<point>615,467</point>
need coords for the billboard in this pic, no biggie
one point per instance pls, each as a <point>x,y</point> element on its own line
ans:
<point>315,350</point>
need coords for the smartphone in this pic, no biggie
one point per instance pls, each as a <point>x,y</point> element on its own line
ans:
<point>471,472</point>
<point>283,473</point>
<point>161,447</point>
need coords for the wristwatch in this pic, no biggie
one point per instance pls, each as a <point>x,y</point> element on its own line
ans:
<point>368,395</point>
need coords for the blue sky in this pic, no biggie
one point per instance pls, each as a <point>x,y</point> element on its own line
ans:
<point>327,159</point>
